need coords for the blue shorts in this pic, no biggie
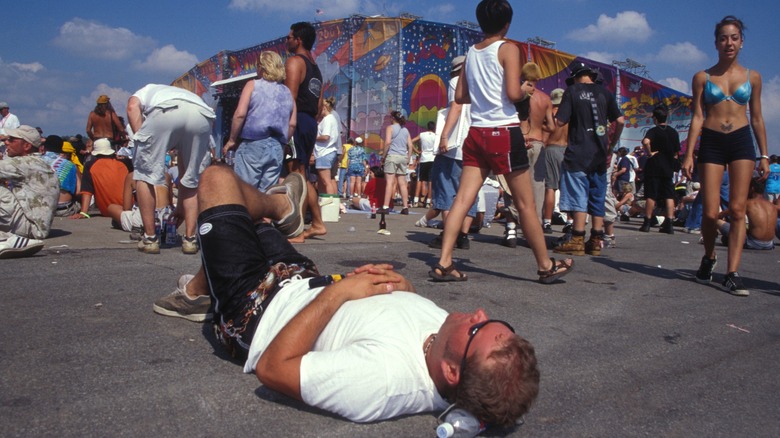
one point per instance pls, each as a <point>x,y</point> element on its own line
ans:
<point>259,162</point>
<point>445,180</point>
<point>721,148</point>
<point>583,192</point>
<point>304,137</point>
<point>325,162</point>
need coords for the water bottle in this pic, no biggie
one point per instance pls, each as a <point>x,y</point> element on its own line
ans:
<point>373,210</point>
<point>163,226</point>
<point>230,157</point>
<point>157,224</point>
<point>459,423</point>
<point>171,238</point>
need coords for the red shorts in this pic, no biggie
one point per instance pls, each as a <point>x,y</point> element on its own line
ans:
<point>500,149</point>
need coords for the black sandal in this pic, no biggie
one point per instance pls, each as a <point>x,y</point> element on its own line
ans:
<point>558,270</point>
<point>446,274</point>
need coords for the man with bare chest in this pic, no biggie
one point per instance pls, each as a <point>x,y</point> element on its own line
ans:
<point>103,121</point>
<point>553,157</point>
<point>532,124</point>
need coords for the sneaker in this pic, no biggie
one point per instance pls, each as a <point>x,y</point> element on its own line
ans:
<point>294,187</point>
<point>189,245</point>
<point>405,211</point>
<point>693,230</point>
<point>608,242</point>
<point>625,218</point>
<point>17,246</point>
<point>136,233</point>
<point>510,239</point>
<point>567,228</point>
<point>645,228</point>
<point>463,241</point>
<point>181,305</point>
<point>149,246</point>
<point>733,282</point>
<point>704,274</point>
<point>422,223</point>
<point>547,228</point>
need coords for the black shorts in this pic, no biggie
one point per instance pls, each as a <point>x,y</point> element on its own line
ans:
<point>238,257</point>
<point>659,188</point>
<point>424,173</point>
<point>720,148</point>
<point>305,137</point>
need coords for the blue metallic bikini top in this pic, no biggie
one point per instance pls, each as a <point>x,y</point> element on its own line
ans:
<point>714,94</point>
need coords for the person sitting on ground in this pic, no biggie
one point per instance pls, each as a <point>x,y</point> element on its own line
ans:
<point>374,193</point>
<point>67,173</point>
<point>127,216</point>
<point>359,345</point>
<point>29,191</point>
<point>104,178</point>
<point>761,219</point>
<point>625,202</point>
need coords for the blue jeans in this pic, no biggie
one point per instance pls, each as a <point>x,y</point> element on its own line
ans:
<point>259,162</point>
<point>342,178</point>
<point>445,180</point>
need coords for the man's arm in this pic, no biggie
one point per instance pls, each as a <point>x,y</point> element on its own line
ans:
<point>279,367</point>
<point>134,114</point>
<point>89,127</point>
<point>295,70</point>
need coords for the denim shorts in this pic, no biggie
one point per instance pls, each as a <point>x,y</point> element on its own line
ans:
<point>583,192</point>
<point>326,161</point>
<point>259,162</point>
<point>445,180</point>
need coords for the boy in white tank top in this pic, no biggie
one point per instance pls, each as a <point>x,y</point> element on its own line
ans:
<point>491,84</point>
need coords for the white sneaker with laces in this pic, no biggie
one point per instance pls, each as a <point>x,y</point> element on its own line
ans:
<point>16,246</point>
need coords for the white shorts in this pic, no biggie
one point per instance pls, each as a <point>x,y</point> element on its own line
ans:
<point>131,219</point>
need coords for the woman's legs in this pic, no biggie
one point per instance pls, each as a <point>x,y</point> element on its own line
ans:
<point>403,189</point>
<point>470,182</point>
<point>740,173</point>
<point>389,189</point>
<point>711,176</point>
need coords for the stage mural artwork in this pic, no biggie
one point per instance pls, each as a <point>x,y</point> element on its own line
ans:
<point>374,65</point>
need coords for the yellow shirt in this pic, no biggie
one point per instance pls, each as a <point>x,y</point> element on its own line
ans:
<point>344,157</point>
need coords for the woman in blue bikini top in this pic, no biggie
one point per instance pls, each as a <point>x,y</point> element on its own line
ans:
<point>722,95</point>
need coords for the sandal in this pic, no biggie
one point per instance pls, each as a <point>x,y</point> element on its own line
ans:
<point>558,270</point>
<point>441,274</point>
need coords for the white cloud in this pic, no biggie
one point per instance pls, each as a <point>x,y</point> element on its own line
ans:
<point>437,12</point>
<point>628,26</point>
<point>95,40</point>
<point>331,9</point>
<point>676,84</point>
<point>681,54</point>
<point>605,57</point>
<point>168,59</point>
<point>32,67</point>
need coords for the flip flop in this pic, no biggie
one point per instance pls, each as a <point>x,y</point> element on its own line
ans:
<point>558,270</point>
<point>446,274</point>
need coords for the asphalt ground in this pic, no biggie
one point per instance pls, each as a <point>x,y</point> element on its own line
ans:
<point>628,344</point>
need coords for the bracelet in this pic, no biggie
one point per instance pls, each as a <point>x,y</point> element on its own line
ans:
<point>84,214</point>
<point>764,157</point>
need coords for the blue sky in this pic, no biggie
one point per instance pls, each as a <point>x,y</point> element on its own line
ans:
<point>57,57</point>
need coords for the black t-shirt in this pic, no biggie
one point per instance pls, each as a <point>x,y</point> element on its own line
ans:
<point>585,153</point>
<point>625,163</point>
<point>666,141</point>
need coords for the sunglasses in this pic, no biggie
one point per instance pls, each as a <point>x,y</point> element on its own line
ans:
<point>472,333</point>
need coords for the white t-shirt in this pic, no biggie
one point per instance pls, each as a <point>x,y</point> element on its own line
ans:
<point>164,96</point>
<point>8,122</point>
<point>460,131</point>
<point>368,362</point>
<point>328,126</point>
<point>427,144</point>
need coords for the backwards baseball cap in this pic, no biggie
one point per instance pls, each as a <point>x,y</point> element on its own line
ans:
<point>103,99</point>
<point>3,105</point>
<point>580,69</point>
<point>53,143</point>
<point>457,63</point>
<point>102,147</point>
<point>26,133</point>
<point>556,96</point>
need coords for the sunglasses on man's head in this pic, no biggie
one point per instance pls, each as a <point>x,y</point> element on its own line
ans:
<point>472,333</point>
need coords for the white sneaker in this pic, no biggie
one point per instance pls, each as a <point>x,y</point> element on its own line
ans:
<point>17,246</point>
<point>422,223</point>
